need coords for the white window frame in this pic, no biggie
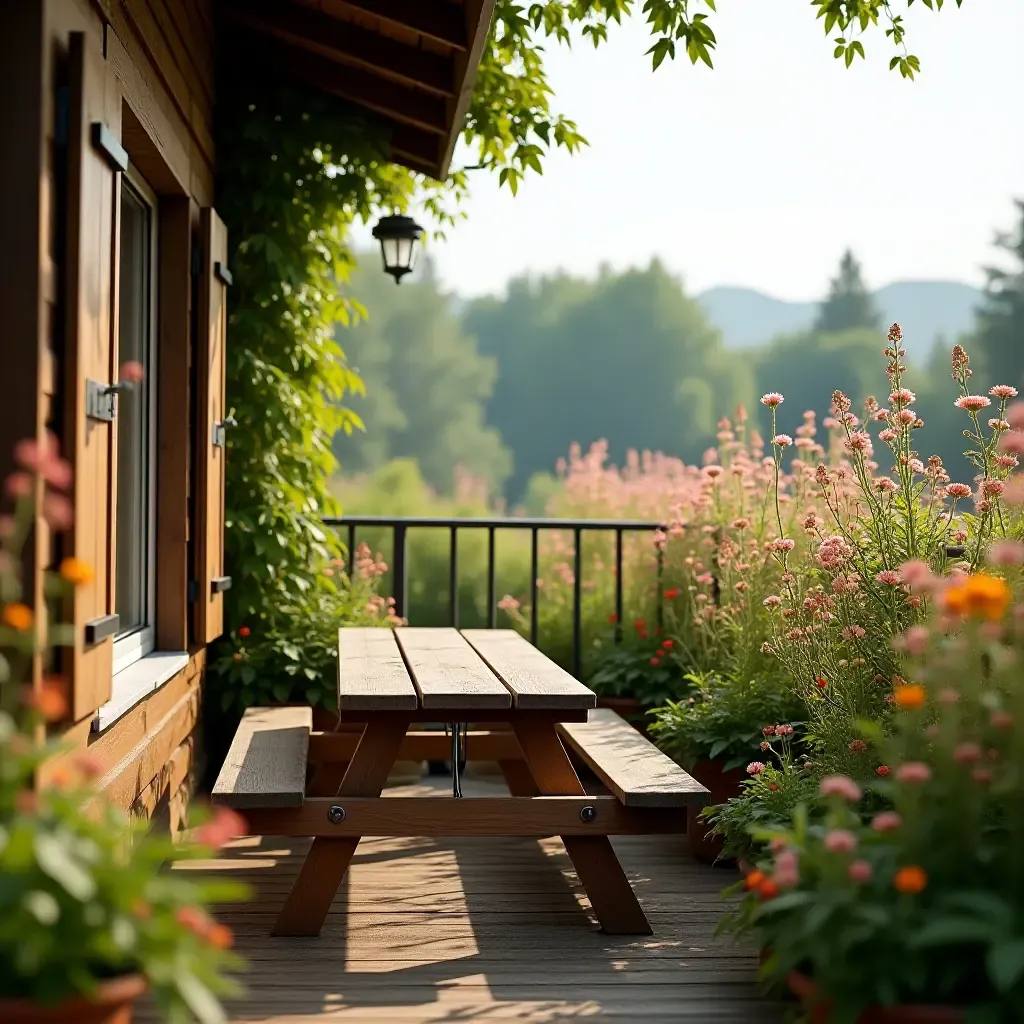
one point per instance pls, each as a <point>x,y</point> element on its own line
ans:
<point>134,645</point>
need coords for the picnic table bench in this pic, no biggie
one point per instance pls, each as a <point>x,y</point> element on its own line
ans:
<point>293,781</point>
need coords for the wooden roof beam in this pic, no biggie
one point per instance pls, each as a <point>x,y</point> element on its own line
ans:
<point>312,30</point>
<point>440,20</point>
<point>389,99</point>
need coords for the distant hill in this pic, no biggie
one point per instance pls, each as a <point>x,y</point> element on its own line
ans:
<point>924,309</point>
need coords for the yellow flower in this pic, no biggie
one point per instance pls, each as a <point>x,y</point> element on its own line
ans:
<point>911,697</point>
<point>978,596</point>
<point>18,616</point>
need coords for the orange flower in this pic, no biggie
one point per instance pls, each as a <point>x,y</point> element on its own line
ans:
<point>61,777</point>
<point>50,700</point>
<point>89,764</point>
<point>978,596</point>
<point>142,910</point>
<point>768,889</point>
<point>911,697</point>
<point>671,594</point>
<point>75,571</point>
<point>754,879</point>
<point>220,936</point>
<point>910,879</point>
<point>237,656</point>
<point>26,801</point>
<point>18,616</point>
<point>194,920</point>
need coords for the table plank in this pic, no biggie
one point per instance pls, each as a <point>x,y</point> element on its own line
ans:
<point>448,673</point>
<point>534,680</point>
<point>371,673</point>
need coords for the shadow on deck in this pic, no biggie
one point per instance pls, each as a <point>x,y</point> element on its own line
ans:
<point>431,931</point>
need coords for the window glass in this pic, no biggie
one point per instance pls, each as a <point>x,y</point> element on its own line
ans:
<point>134,518</point>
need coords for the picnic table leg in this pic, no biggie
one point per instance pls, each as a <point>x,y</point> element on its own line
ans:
<point>307,905</point>
<point>599,870</point>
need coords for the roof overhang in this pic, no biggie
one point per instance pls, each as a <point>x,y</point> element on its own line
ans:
<point>412,63</point>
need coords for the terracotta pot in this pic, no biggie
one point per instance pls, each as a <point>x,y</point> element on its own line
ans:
<point>821,1010</point>
<point>721,785</point>
<point>112,1004</point>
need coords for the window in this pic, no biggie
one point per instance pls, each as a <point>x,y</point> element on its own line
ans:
<point>135,502</point>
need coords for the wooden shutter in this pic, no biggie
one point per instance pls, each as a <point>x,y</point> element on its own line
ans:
<point>214,279</point>
<point>95,160</point>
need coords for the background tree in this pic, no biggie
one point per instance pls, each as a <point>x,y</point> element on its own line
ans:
<point>1000,335</point>
<point>849,304</point>
<point>425,385</point>
<point>628,358</point>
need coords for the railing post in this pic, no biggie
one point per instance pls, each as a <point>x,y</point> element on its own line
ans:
<point>661,573</point>
<point>618,586</point>
<point>453,575</point>
<point>577,601</point>
<point>534,589</point>
<point>492,608</point>
<point>399,578</point>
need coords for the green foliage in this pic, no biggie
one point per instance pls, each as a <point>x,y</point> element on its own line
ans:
<point>425,385</point>
<point>849,304</point>
<point>86,897</point>
<point>642,667</point>
<point>1000,335</point>
<point>922,902</point>
<point>724,719</point>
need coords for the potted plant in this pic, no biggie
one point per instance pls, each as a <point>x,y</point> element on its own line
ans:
<point>89,917</point>
<point>717,734</point>
<point>915,911</point>
<point>638,674</point>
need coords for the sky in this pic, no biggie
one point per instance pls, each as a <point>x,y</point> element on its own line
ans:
<point>759,173</point>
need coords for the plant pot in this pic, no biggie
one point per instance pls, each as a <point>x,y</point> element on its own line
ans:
<point>112,1004</point>
<point>821,1009</point>
<point>721,786</point>
<point>628,708</point>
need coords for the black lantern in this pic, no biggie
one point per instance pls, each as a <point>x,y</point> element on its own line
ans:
<point>398,236</point>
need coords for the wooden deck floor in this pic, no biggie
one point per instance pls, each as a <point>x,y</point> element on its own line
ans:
<point>432,931</point>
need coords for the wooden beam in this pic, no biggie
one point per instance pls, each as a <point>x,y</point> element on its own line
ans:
<point>471,816</point>
<point>419,746</point>
<point>343,41</point>
<point>389,99</point>
<point>471,714</point>
<point>438,20</point>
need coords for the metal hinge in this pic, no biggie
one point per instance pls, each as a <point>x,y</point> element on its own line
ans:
<point>100,401</point>
<point>220,431</point>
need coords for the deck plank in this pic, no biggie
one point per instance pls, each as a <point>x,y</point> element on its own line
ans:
<point>448,673</point>
<point>631,766</point>
<point>534,680</point>
<point>371,673</point>
<point>516,940</point>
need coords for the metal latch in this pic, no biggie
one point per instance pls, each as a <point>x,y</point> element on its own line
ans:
<point>220,431</point>
<point>101,399</point>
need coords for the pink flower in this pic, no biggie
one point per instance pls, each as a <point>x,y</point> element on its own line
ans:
<point>783,730</point>
<point>889,577</point>
<point>886,821</point>
<point>958,490</point>
<point>993,488</point>
<point>133,372</point>
<point>915,572</point>
<point>1006,552</point>
<point>840,840</point>
<point>916,640</point>
<point>913,772</point>
<point>508,604</point>
<point>740,524</point>
<point>854,632</point>
<point>787,867</point>
<point>966,753</point>
<point>782,440</point>
<point>972,403</point>
<point>859,871</point>
<point>840,785</point>
<point>1001,720</point>
<point>19,485</point>
<point>755,768</point>
<point>859,441</point>
<point>1003,391</point>
<point>857,746</point>
<point>225,826</point>
<point>772,601</point>
<point>58,511</point>
<point>705,579</point>
<point>887,435</point>
<point>885,484</point>
<point>902,397</point>
<point>1015,416</point>
<point>773,399</point>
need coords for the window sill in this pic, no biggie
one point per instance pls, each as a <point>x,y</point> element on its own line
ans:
<point>136,682</point>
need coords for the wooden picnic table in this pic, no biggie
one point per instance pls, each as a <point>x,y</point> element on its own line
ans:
<point>391,679</point>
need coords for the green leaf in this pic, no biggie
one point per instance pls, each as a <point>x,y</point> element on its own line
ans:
<point>1005,964</point>
<point>42,906</point>
<point>56,860</point>
<point>199,999</point>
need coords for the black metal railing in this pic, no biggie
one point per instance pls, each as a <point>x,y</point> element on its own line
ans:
<point>400,526</point>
